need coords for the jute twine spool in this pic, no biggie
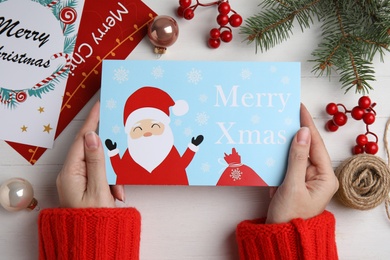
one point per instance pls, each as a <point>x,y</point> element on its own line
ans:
<point>364,181</point>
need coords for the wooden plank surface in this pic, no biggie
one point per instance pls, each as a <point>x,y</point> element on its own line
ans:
<point>199,222</point>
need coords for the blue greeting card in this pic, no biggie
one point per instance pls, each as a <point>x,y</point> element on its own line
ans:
<point>198,123</point>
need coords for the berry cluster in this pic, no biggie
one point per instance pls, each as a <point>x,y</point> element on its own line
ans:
<point>363,111</point>
<point>224,32</point>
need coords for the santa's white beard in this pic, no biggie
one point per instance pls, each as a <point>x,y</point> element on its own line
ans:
<point>150,151</point>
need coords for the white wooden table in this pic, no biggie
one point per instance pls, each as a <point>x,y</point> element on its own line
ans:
<point>199,222</point>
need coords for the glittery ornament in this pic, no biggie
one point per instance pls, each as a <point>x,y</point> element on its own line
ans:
<point>17,194</point>
<point>162,32</point>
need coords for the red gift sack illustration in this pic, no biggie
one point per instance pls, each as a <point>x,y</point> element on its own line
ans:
<point>238,174</point>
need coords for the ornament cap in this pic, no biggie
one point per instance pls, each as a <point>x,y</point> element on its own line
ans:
<point>160,50</point>
<point>33,204</point>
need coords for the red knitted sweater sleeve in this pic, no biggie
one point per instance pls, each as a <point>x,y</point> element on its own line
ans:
<point>93,233</point>
<point>299,239</point>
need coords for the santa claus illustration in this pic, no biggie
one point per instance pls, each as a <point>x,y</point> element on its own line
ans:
<point>151,157</point>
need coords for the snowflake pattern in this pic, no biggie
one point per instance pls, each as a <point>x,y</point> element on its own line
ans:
<point>288,121</point>
<point>121,75</point>
<point>194,76</point>
<point>202,118</point>
<point>116,129</point>
<point>246,74</point>
<point>270,162</point>
<point>158,72</point>
<point>188,131</point>
<point>236,174</point>
<point>203,98</point>
<point>255,119</point>
<point>205,167</point>
<point>111,104</point>
<point>285,80</point>
<point>178,122</point>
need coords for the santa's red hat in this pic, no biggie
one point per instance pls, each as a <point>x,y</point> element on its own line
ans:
<point>151,103</point>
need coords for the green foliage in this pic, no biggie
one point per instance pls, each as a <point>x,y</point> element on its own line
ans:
<point>353,32</point>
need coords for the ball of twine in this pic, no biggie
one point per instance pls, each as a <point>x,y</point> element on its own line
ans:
<point>364,182</point>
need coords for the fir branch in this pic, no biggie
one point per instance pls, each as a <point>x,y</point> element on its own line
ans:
<point>69,44</point>
<point>275,25</point>
<point>70,28</point>
<point>42,90</point>
<point>353,32</point>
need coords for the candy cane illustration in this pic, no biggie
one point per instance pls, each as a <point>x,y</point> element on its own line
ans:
<point>53,3</point>
<point>54,75</point>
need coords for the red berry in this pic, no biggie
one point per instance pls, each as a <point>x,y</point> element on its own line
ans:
<point>357,113</point>
<point>214,43</point>
<point>371,148</point>
<point>331,109</point>
<point>369,118</point>
<point>235,20</point>
<point>224,8</point>
<point>364,102</point>
<point>222,19</point>
<point>226,36</point>
<point>330,126</point>
<point>215,33</point>
<point>180,11</point>
<point>188,14</point>
<point>185,3</point>
<point>357,149</point>
<point>340,119</point>
<point>361,140</point>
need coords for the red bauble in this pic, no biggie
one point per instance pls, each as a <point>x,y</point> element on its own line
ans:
<point>364,102</point>
<point>371,148</point>
<point>340,119</point>
<point>224,8</point>
<point>331,127</point>
<point>331,109</point>
<point>214,43</point>
<point>235,20</point>
<point>222,19</point>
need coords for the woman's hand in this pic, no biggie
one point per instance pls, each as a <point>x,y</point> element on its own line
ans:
<point>82,182</point>
<point>310,182</point>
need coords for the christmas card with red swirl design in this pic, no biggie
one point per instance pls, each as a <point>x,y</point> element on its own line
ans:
<point>51,53</point>
<point>198,122</point>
